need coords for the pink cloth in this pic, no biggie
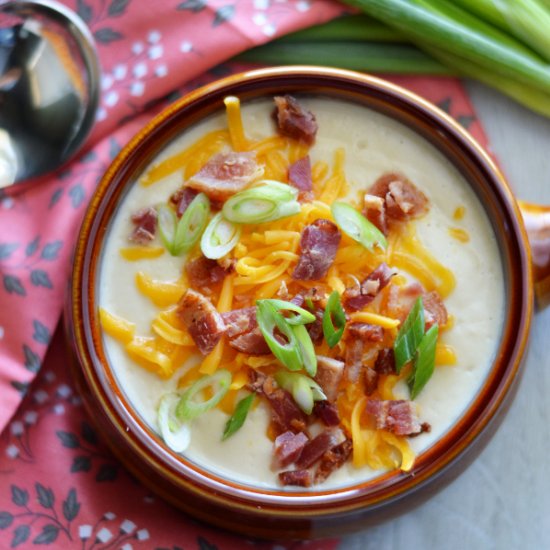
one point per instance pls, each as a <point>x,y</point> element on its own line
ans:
<point>59,484</point>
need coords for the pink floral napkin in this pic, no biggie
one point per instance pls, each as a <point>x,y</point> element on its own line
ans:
<point>58,484</point>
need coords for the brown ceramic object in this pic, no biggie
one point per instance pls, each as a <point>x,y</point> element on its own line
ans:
<point>272,513</point>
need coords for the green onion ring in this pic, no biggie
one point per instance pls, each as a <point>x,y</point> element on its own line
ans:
<point>303,316</point>
<point>304,390</point>
<point>409,336</point>
<point>219,237</point>
<point>334,320</point>
<point>175,434</point>
<point>189,408</point>
<point>167,222</point>
<point>192,224</point>
<point>357,226</point>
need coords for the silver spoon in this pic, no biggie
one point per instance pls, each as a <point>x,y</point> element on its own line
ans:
<point>49,88</point>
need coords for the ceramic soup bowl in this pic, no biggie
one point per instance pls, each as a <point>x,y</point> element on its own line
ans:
<point>378,127</point>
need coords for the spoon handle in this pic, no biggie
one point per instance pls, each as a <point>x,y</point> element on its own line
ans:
<point>537,224</point>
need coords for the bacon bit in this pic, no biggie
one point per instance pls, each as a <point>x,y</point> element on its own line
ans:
<point>375,212</point>
<point>204,272</point>
<point>256,381</point>
<point>243,331</point>
<point>145,221</point>
<point>299,175</point>
<point>371,380</point>
<point>329,374</point>
<point>385,362</point>
<point>402,299</point>
<point>182,198</point>
<point>315,448</point>
<point>333,459</point>
<point>226,174</point>
<point>288,447</point>
<point>285,414</point>
<point>318,245</point>
<point>366,332</point>
<point>396,416</point>
<point>327,412</point>
<point>357,297</point>
<point>402,199</point>
<point>299,478</point>
<point>202,320</point>
<point>293,120</point>
<point>434,309</point>
<point>353,360</point>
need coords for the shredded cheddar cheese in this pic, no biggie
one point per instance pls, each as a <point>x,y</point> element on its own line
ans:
<point>264,260</point>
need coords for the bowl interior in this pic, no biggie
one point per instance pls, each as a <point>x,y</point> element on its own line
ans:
<point>427,121</point>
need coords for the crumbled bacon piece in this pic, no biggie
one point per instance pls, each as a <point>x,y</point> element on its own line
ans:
<point>288,447</point>
<point>243,331</point>
<point>366,332</point>
<point>182,198</point>
<point>385,362</point>
<point>204,272</point>
<point>333,459</point>
<point>396,416</point>
<point>328,376</point>
<point>434,309</point>
<point>375,212</point>
<point>402,299</point>
<point>203,322</point>
<point>371,380</point>
<point>226,174</point>
<point>353,360</point>
<point>315,448</point>
<point>358,296</point>
<point>299,175</point>
<point>299,478</point>
<point>145,221</point>
<point>327,412</point>
<point>293,120</point>
<point>318,245</point>
<point>402,199</point>
<point>285,414</point>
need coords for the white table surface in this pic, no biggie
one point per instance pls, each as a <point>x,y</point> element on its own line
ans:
<point>502,501</point>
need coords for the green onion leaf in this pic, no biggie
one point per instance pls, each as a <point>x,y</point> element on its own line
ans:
<point>175,434</point>
<point>304,390</point>
<point>307,351</point>
<point>334,320</point>
<point>239,416</point>
<point>269,201</point>
<point>219,237</point>
<point>303,316</point>
<point>192,224</point>
<point>424,363</point>
<point>357,226</point>
<point>167,222</point>
<point>190,407</point>
<point>269,319</point>
<point>409,336</point>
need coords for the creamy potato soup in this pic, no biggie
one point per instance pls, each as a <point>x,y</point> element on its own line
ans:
<point>427,261</point>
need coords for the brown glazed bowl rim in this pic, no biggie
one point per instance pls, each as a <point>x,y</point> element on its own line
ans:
<point>188,480</point>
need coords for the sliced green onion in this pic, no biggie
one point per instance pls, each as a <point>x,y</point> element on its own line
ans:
<point>219,237</point>
<point>304,390</point>
<point>190,407</point>
<point>409,336</point>
<point>175,434</point>
<point>357,226</point>
<point>303,316</point>
<point>239,416</point>
<point>192,224</point>
<point>262,203</point>
<point>307,351</point>
<point>269,319</point>
<point>424,363</point>
<point>167,222</point>
<point>334,320</point>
